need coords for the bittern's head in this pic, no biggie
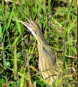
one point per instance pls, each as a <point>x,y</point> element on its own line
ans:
<point>34,29</point>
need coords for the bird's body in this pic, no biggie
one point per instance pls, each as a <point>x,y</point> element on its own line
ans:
<point>47,60</point>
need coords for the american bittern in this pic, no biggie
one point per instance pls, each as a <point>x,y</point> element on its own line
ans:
<point>47,60</point>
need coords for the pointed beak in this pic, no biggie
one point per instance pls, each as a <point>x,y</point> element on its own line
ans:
<point>29,27</point>
<point>24,23</point>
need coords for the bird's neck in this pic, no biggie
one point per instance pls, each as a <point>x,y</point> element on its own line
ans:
<point>41,39</point>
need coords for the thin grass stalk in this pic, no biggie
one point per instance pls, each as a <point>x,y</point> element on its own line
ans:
<point>30,83</point>
<point>64,59</point>
<point>15,63</point>
<point>4,61</point>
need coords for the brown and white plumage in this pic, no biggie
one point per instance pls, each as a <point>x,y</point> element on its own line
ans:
<point>47,60</point>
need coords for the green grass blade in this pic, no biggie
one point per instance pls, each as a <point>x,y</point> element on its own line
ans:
<point>15,63</point>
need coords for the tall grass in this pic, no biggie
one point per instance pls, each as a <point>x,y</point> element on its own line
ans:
<point>18,48</point>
